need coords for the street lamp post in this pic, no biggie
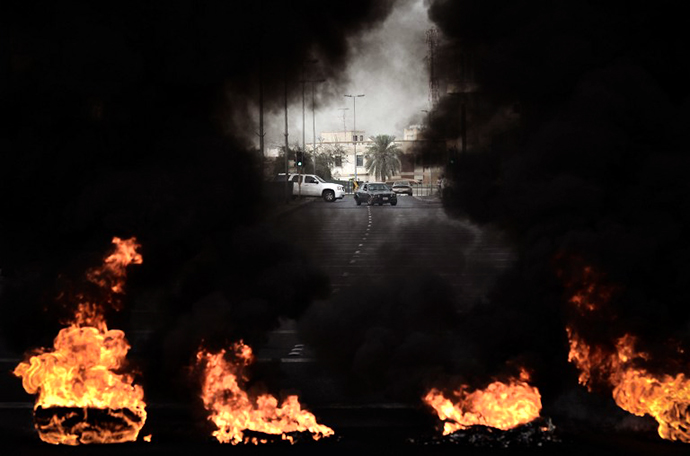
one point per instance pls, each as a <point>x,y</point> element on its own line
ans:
<point>354,125</point>
<point>303,120</point>
<point>303,81</point>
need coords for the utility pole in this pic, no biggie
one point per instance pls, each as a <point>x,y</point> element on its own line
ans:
<point>345,132</point>
<point>344,125</point>
<point>304,146</point>
<point>426,111</point>
<point>354,125</point>
<point>301,164</point>
<point>303,81</point>
<point>287,147</point>
<point>313,120</point>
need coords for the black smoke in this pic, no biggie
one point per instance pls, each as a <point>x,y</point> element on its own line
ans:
<point>402,326</point>
<point>575,147</point>
<point>385,340</point>
<point>138,119</point>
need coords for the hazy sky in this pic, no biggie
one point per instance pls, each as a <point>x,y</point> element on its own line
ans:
<point>388,66</point>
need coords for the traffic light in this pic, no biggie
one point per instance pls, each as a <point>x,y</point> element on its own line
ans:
<point>300,158</point>
<point>452,157</point>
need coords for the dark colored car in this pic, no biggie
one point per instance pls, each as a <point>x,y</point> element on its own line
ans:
<point>403,187</point>
<point>375,193</point>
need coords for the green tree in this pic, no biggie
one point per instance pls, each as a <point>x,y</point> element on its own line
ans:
<point>327,158</point>
<point>383,157</point>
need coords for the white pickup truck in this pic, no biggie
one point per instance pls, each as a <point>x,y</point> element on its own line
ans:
<point>313,185</point>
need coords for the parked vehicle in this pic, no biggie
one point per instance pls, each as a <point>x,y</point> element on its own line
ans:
<point>375,193</point>
<point>403,187</point>
<point>313,185</point>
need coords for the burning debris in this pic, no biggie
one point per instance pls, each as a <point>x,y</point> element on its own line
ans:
<point>621,366</point>
<point>500,405</point>
<point>502,415</point>
<point>241,419</point>
<point>536,433</point>
<point>84,394</point>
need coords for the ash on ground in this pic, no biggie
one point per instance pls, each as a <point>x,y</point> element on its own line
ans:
<point>537,433</point>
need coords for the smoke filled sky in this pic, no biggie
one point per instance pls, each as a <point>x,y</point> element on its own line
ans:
<point>387,64</point>
<point>136,120</point>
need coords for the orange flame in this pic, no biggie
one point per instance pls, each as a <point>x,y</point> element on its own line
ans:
<point>233,411</point>
<point>499,405</point>
<point>110,277</point>
<point>114,270</point>
<point>592,291</point>
<point>84,369</point>
<point>664,397</point>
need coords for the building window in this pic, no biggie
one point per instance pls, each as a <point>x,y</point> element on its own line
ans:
<point>361,137</point>
<point>360,160</point>
<point>354,138</point>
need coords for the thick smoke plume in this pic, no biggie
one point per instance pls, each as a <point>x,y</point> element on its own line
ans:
<point>134,120</point>
<point>575,147</point>
<point>391,337</point>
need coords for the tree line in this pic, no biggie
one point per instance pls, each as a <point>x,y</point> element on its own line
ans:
<point>381,159</point>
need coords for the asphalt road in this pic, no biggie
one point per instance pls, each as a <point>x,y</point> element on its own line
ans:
<point>355,245</point>
<point>350,244</point>
<point>350,241</point>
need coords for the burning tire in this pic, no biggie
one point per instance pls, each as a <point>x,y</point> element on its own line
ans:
<point>76,425</point>
<point>84,392</point>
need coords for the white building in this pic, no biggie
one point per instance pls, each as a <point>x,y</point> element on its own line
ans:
<point>355,143</point>
<point>412,133</point>
<point>342,136</point>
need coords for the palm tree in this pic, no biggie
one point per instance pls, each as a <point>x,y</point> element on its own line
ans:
<point>383,157</point>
